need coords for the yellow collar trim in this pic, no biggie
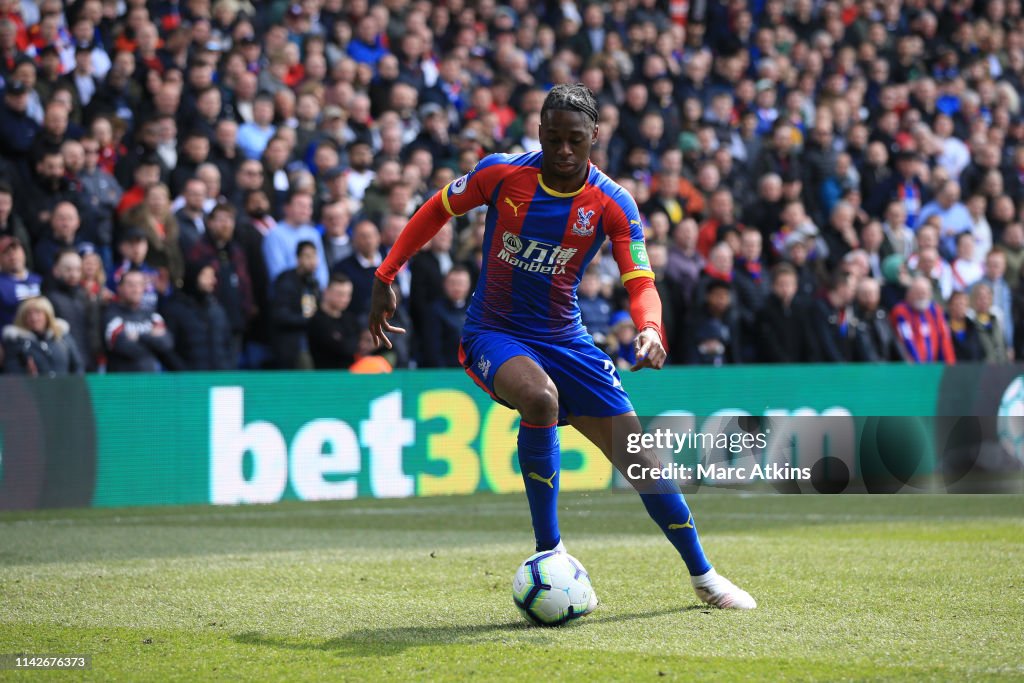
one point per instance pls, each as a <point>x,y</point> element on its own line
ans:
<point>556,193</point>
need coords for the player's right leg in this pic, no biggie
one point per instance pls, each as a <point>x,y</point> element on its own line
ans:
<point>521,383</point>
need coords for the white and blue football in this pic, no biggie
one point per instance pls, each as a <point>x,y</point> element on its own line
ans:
<point>551,588</point>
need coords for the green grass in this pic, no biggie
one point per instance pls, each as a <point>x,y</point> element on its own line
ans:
<point>920,587</point>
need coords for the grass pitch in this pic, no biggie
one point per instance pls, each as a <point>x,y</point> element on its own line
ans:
<point>921,587</point>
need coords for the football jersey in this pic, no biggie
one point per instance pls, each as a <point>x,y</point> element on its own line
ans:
<point>538,242</point>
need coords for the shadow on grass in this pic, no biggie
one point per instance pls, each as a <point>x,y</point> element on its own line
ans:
<point>392,641</point>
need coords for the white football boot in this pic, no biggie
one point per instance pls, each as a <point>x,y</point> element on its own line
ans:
<point>718,591</point>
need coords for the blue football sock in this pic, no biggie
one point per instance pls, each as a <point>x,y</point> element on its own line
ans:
<point>540,460</point>
<point>667,507</point>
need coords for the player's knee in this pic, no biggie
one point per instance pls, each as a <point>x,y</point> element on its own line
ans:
<point>538,404</point>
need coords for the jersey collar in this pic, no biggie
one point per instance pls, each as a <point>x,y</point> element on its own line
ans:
<point>562,195</point>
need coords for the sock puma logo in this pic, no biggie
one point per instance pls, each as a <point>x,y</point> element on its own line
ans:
<point>688,525</point>
<point>515,207</point>
<point>534,475</point>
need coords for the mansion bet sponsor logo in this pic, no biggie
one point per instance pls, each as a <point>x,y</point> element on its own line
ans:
<point>534,256</point>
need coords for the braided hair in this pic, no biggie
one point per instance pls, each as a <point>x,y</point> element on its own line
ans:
<point>571,97</point>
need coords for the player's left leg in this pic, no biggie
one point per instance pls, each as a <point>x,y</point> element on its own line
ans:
<point>666,506</point>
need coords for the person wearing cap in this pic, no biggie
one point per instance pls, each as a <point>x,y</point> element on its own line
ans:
<point>19,129</point>
<point>17,283</point>
<point>81,80</point>
<point>435,136</point>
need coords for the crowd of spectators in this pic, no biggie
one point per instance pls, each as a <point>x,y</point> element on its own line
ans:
<point>210,184</point>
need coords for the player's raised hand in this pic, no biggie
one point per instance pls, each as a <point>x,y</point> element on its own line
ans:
<point>650,352</point>
<point>383,304</point>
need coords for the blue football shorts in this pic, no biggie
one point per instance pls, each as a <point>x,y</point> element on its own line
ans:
<point>586,378</point>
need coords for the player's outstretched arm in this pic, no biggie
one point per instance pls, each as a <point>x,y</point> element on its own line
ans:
<point>423,225</point>
<point>383,304</point>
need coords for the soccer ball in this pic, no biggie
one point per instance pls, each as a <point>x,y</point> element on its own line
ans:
<point>551,588</point>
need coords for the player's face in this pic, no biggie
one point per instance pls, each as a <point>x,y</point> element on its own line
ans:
<point>566,138</point>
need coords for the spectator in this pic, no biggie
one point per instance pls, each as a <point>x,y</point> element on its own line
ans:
<point>595,309</point>
<point>715,336</point>
<point>145,175</point>
<point>280,244</point>
<point>428,269</point>
<point>17,283</point>
<point>154,218</point>
<point>191,218</point>
<point>337,244</point>
<point>721,217</point>
<point>296,293</point>
<point>47,188</point>
<point>218,248</point>
<point>443,327</point>
<point>780,323</point>
<point>136,339</point>
<point>1013,251</point>
<point>920,326</point>
<point>875,245</point>
<point>623,332</point>
<point>133,249</point>
<point>765,212</point>
<point>750,286</point>
<point>875,340</point>
<point>39,344</point>
<point>930,265</point>
<point>1002,297</point>
<point>954,218</point>
<point>980,227</point>
<point>905,186</point>
<point>63,234</point>
<point>684,262</point>
<point>72,303</point>
<point>988,325</point>
<point>198,324</point>
<point>964,269</point>
<point>963,329</point>
<point>832,324</point>
<point>19,128</point>
<point>101,193</point>
<point>254,136</point>
<point>897,233</point>
<point>333,330</point>
<point>11,224</point>
<point>360,266</point>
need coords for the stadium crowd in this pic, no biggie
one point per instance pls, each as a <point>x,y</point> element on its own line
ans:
<point>197,184</point>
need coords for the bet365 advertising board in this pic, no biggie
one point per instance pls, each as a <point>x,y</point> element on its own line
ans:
<point>236,438</point>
